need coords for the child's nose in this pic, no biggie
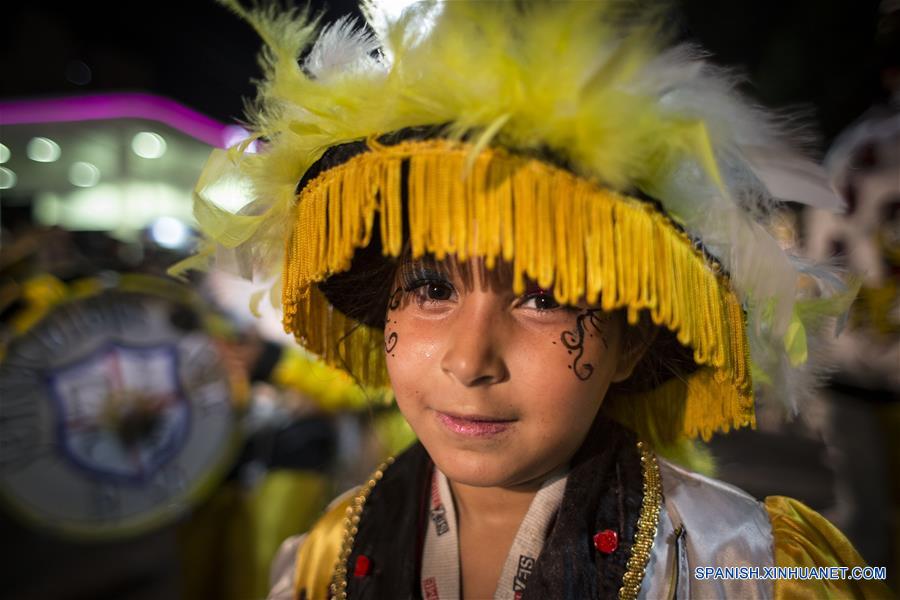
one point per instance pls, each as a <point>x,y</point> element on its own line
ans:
<point>473,354</point>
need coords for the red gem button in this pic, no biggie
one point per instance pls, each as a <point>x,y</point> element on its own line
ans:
<point>362,566</point>
<point>606,541</point>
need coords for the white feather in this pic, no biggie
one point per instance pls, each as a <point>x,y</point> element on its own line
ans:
<point>416,19</point>
<point>791,177</point>
<point>343,47</point>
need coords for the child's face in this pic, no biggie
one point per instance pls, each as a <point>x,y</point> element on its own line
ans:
<point>501,389</point>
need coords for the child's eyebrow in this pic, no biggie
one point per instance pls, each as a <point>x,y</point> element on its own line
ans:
<point>420,271</point>
<point>532,287</point>
<point>424,263</point>
<point>427,267</point>
<point>414,270</point>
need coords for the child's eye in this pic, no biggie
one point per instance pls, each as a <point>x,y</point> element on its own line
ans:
<point>432,291</point>
<point>540,302</point>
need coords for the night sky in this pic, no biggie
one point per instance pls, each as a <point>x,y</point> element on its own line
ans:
<point>821,56</point>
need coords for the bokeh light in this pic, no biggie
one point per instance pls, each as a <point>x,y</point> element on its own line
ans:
<point>7,178</point>
<point>169,232</point>
<point>41,149</point>
<point>4,153</point>
<point>84,174</point>
<point>147,144</point>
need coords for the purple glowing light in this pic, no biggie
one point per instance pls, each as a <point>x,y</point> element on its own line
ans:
<point>122,106</point>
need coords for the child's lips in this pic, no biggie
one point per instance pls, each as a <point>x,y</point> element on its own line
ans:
<point>474,425</point>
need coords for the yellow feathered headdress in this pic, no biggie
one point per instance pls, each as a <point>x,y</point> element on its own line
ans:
<point>562,137</point>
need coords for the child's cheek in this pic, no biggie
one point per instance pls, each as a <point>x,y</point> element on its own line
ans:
<point>405,345</point>
<point>411,344</point>
<point>409,350</point>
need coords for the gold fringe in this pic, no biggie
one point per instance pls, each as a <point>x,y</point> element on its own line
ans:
<point>695,407</point>
<point>558,229</point>
<point>338,340</point>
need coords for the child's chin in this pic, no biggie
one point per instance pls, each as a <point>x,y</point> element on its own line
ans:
<point>478,473</point>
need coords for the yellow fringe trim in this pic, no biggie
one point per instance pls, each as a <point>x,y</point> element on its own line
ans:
<point>564,232</point>
<point>680,408</point>
<point>338,340</point>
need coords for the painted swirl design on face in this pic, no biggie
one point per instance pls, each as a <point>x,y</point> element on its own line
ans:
<point>396,297</point>
<point>391,337</point>
<point>390,342</point>
<point>574,340</point>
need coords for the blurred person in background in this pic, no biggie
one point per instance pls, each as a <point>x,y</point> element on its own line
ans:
<point>860,413</point>
<point>233,439</point>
